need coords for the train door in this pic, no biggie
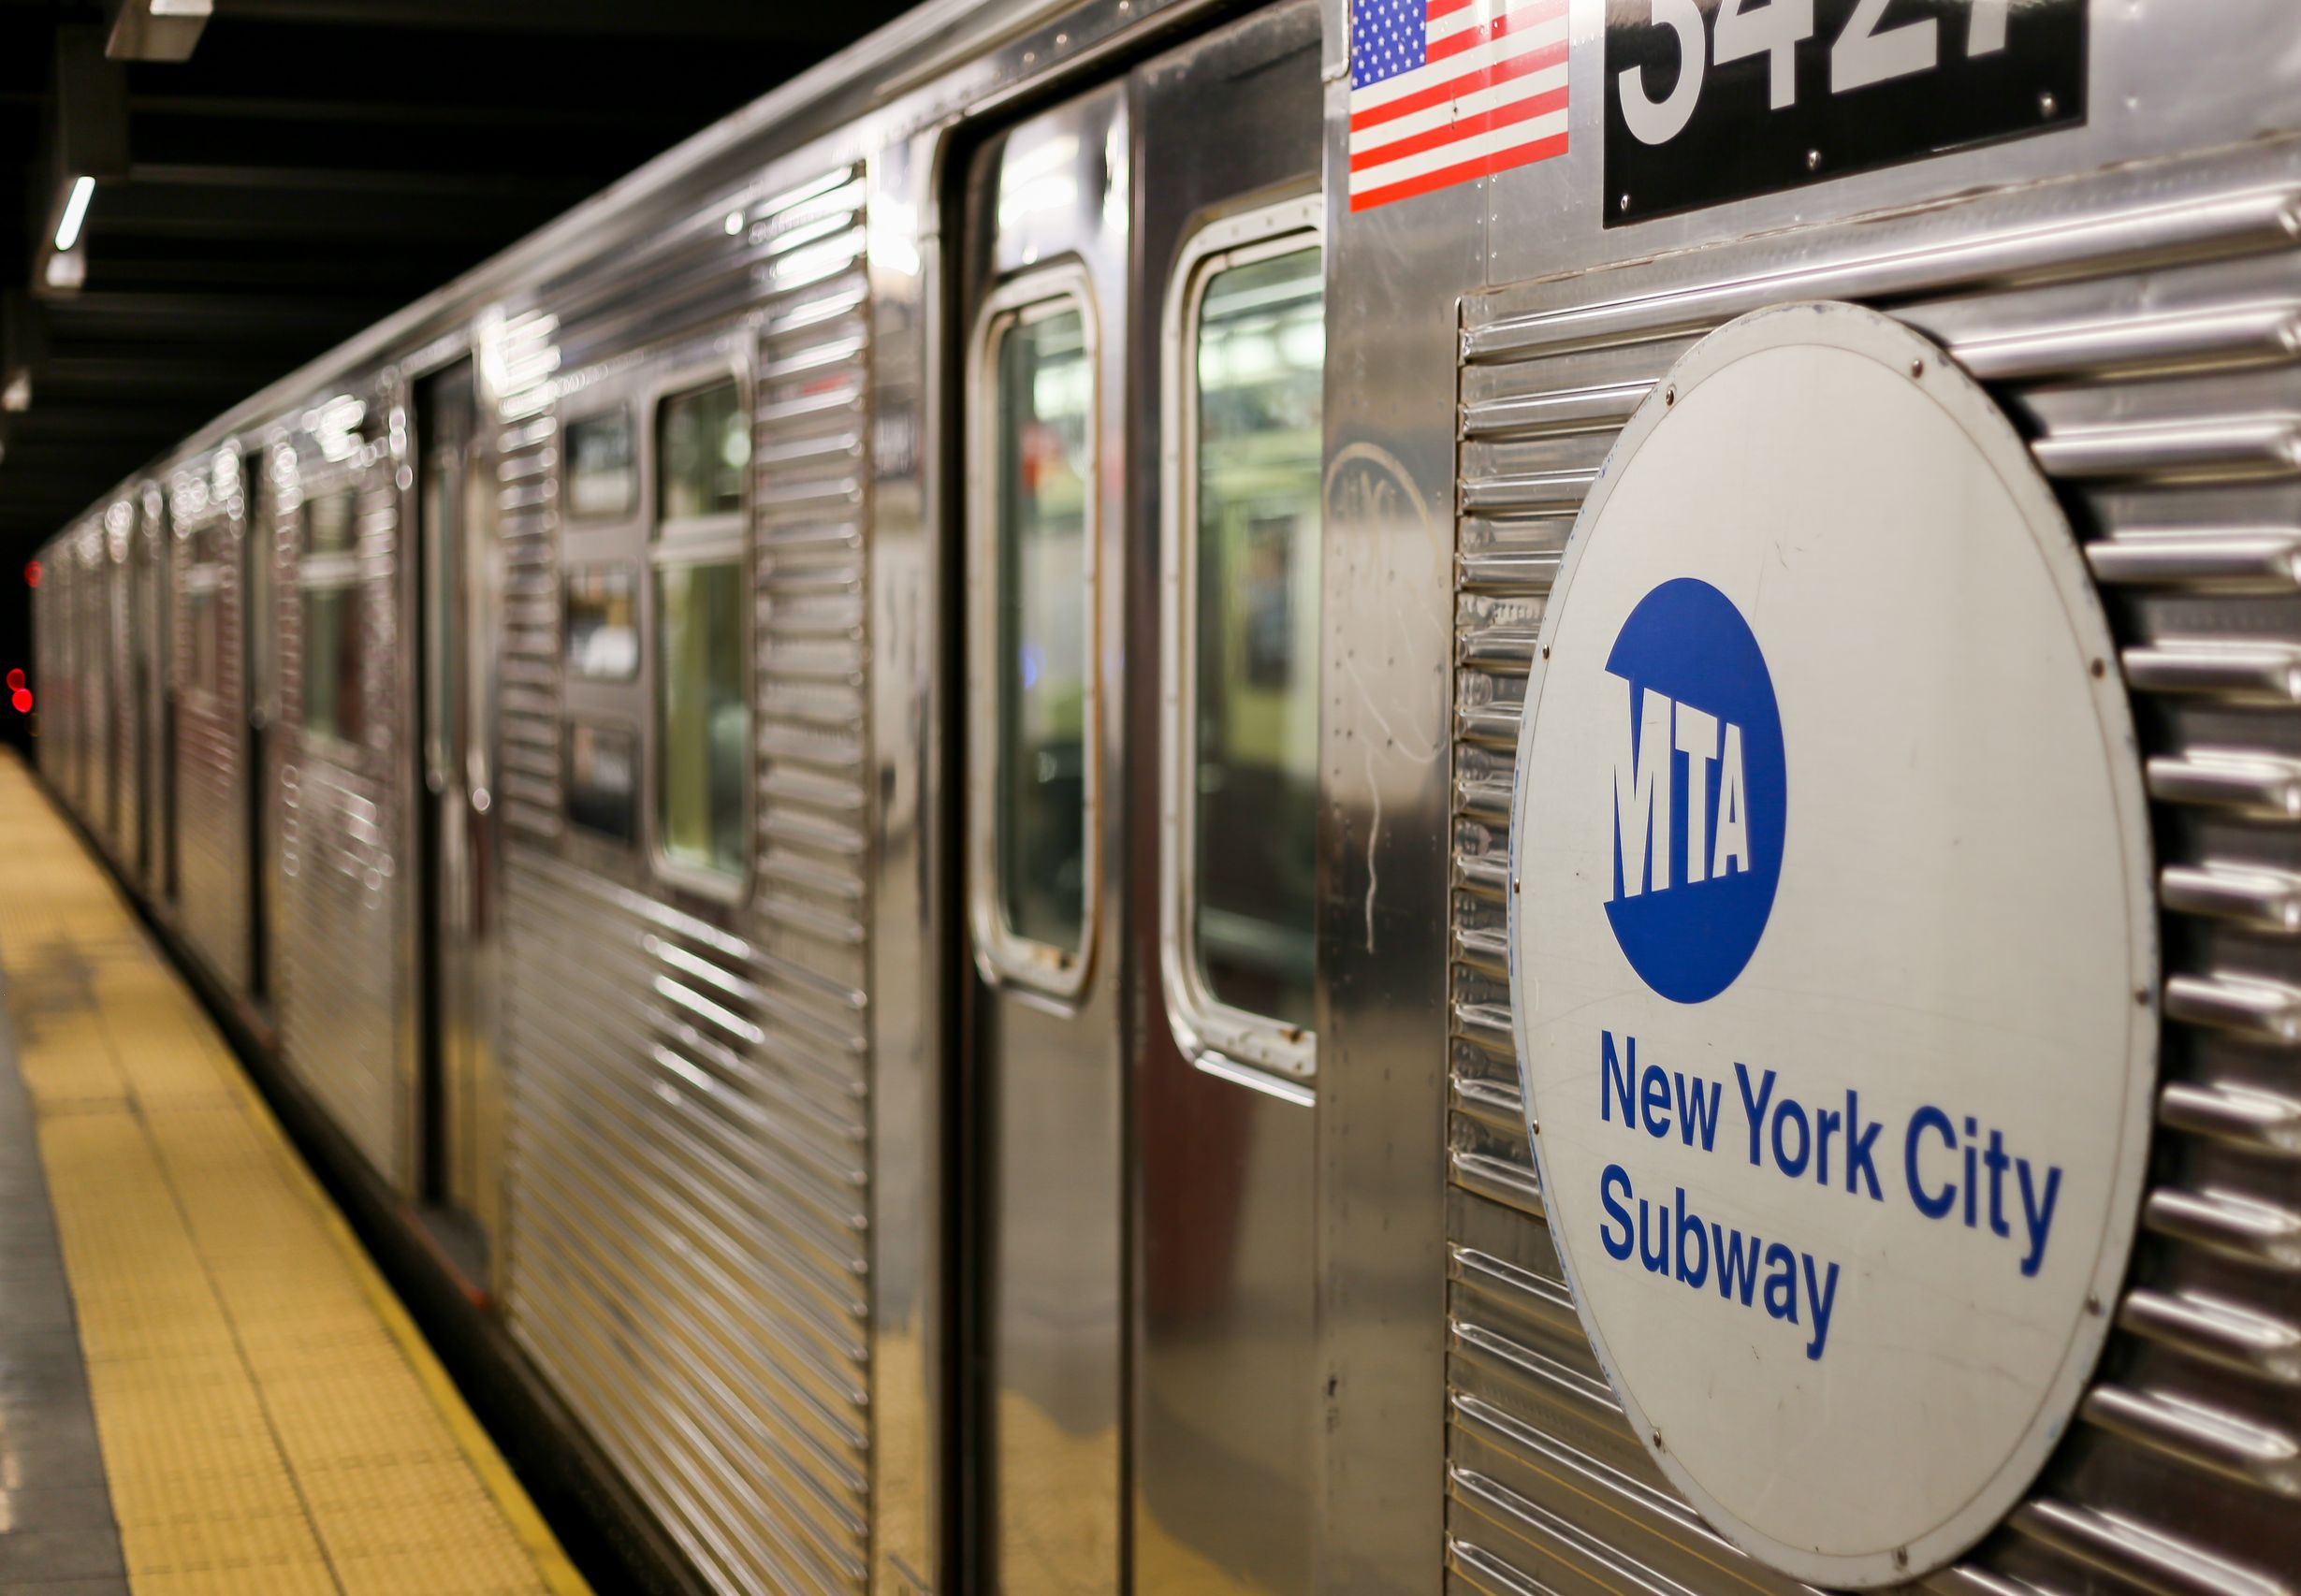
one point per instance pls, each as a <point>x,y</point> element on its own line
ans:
<point>260,553</point>
<point>1046,397</point>
<point>94,627</point>
<point>140,628</point>
<point>1142,390</point>
<point>127,727</point>
<point>459,934</point>
<point>1228,379</point>
<point>160,574</point>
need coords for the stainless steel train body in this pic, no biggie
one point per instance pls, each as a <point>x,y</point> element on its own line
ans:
<point>960,1087</point>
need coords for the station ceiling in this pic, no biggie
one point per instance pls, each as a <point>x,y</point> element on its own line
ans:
<point>312,165</point>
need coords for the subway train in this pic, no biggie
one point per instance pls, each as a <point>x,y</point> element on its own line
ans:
<point>1344,796</point>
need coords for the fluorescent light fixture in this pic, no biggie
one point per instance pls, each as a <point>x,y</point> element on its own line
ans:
<point>156,30</point>
<point>17,396</point>
<point>75,214</point>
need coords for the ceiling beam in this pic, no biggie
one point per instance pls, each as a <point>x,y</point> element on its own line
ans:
<point>68,377</point>
<point>330,179</point>
<point>347,265</point>
<point>667,19</point>
<point>397,113</point>
<point>265,320</point>
<point>301,216</point>
<point>158,423</point>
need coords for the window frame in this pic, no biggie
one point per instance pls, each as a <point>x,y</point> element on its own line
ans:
<point>201,580</point>
<point>628,568</point>
<point>614,726</point>
<point>336,571</point>
<point>1004,955</point>
<point>1205,1028</point>
<point>690,541</point>
<point>567,465</point>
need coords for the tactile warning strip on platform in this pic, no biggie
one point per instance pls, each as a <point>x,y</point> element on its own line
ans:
<point>271,1422</point>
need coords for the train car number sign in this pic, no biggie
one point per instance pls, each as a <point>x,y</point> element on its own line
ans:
<point>1831,945</point>
<point>1711,100</point>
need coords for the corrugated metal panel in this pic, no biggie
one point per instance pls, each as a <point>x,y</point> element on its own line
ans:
<point>689,1156</point>
<point>2140,329</point>
<point>340,822</point>
<point>207,496</point>
<point>519,358</point>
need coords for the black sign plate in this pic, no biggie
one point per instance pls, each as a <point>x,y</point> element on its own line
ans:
<point>1711,100</point>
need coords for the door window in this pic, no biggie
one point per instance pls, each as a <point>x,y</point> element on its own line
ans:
<point>333,635</point>
<point>1033,681</point>
<point>1246,366</point>
<point>602,479</point>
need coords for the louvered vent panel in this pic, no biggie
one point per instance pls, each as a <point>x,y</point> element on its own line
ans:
<point>519,355</point>
<point>689,1104</point>
<point>808,488</point>
<point>2142,331</point>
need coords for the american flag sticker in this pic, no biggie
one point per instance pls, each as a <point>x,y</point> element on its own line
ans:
<point>1445,91</point>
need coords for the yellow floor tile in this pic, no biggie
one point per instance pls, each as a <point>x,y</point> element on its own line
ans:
<point>142,1496</point>
<point>438,1572</point>
<point>246,1539</point>
<point>268,1579</point>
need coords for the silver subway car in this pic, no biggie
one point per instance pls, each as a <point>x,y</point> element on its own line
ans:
<point>916,785</point>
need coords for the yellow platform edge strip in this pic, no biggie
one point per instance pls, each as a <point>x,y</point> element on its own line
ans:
<point>542,1548</point>
<point>74,914</point>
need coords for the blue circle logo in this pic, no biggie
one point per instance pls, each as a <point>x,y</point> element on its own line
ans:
<point>1699,790</point>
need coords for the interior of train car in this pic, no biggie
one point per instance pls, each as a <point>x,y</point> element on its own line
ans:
<point>1345,796</point>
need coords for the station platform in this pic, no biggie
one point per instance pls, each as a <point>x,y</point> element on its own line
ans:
<point>206,1388</point>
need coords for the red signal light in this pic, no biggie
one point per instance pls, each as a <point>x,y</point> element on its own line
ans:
<point>16,678</point>
<point>32,573</point>
<point>21,699</point>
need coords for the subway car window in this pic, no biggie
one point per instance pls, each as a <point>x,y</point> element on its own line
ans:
<point>1043,475</point>
<point>334,644</point>
<point>702,667</point>
<point>330,523</point>
<point>603,780</point>
<point>1253,747</point>
<point>205,618</point>
<point>603,477</point>
<point>603,623</point>
<point>333,706</point>
<point>702,450</point>
<point>703,715</point>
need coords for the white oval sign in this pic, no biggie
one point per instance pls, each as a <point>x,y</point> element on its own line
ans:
<point>1831,945</point>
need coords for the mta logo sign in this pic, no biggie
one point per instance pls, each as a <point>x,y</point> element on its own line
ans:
<point>1700,791</point>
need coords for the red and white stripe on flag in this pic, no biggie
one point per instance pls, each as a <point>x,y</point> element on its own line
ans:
<point>1490,94</point>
